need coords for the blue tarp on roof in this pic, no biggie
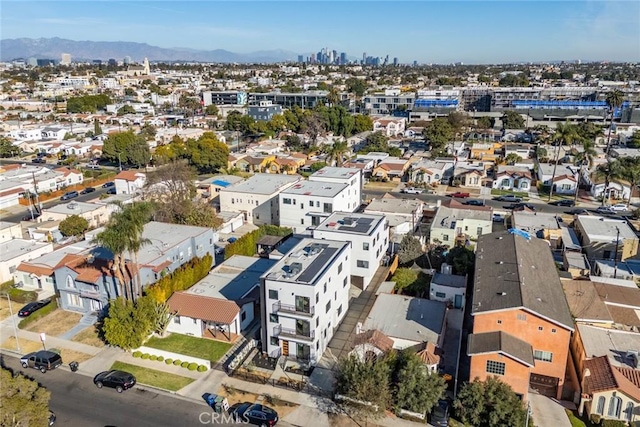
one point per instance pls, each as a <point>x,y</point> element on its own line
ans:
<point>520,233</point>
<point>221,183</point>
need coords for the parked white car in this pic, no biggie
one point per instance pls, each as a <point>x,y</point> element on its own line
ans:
<point>412,190</point>
<point>619,207</point>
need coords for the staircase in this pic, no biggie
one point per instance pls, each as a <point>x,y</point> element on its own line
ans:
<point>238,348</point>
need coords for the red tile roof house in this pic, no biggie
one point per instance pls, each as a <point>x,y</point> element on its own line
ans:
<point>129,182</point>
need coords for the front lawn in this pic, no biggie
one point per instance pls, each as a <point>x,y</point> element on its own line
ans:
<point>159,379</point>
<point>190,346</point>
<point>496,192</point>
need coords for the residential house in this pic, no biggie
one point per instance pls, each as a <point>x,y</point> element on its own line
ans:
<point>263,111</point>
<point>600,237</point>
<point>129,182</point>
<point>565,184</point>
<point>616,190</point>
<point>369,237</point>
<point>257,197</point>
<point>408,321</point>
<point>391,169</point>
<point>16,251</point>
<point>545,226</point>
<point>255,164</point>
<point>10,231</point>
<point>404,215</point>
<point>210,188</point>
<point>390,126</point>
<point>223,303</point>
<point>460,223</point>
<point>341,175</point>
<point>432,171</point>
<point>521,150</point>
<point>522,325</point>
<point>96,214</point>
<point>287,164</point>
<point>483,151</point>
<point>628,269</point>
<point>304,297</point>
<point>468,174</point>
<point>86,283</point>
<point>68,177</point>
<point>516,178</point>
<point>448,287</point>
<point>546,172</point>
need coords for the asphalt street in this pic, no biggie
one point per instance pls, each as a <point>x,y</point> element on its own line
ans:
<point>78,403</point>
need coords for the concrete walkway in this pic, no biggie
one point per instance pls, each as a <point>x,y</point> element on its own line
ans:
<point>52,342</point>
<point>547,411</point>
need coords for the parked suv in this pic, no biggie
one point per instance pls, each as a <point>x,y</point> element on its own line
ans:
<point>69,195</point>
<point>42,360</point>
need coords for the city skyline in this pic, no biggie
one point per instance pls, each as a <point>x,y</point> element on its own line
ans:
<point>434,32</point>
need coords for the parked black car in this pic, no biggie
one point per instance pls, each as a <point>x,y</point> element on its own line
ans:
<point>564,202</point>
<point>109,184</point>
<point>111,190</point>
<point>120,380</point>
<point>52,418</point>
<point>69,195</point>
<point>255,414</point>
<point>39,160</point>
<point>474,202</point>
<point>520,206</point>
<point>42,360</point>
<point>88,190</point>
<point>33,306</point>
<point>578,211</point>
<point>439,417</point>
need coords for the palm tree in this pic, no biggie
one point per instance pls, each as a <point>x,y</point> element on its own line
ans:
<point>631,172</point>
<point>114,240</point>
<point>337,153</point>
<point>609,171</point>
<point>333,97</point>
<point>565,135</point>
<point>614,100</point>
<point>134,218</point>
<point>585,158</point>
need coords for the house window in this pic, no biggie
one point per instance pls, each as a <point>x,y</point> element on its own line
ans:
<point>70,282</point>
<point>499,322</point>
<point>273,318</point>
<point>628,411</point>
<point>286,201</point>
<point>325,288</point>
<point>339,268</point>
<point>545,356</point>
<point>553,331</point>
<point>615,404</point>
<point>328,208</point>
<point>176,320</point>
<point>74,300</point>
<point>302,221</point>
<point>600,407</point>
<point>494,367</point>
<point>195,321</point>
<point>232,201</point>
<point>328,307</point>
<point>540,328</point>
<point>479,231</point>
<point>344,283</point>
<point>365,246</point>
<point>441,295</point>
<point>317,297</point>
<point>317,322</point>
<point>362,264</point>
<point>301,205</point>
<point>274,341</point>
<point>340,310</point>
<point>273,294</point>
<point>522,317</point>
<point>243,316</point>
<point>445,237</point>
<point>257,204</point>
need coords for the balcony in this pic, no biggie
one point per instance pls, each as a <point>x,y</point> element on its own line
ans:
<point>84,293</point>
<point>292,309</point>
<point>279,331</point>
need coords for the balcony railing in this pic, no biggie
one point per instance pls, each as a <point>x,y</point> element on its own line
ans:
<point>279,331</point>
<point>84,293</point>
<point>290,308</point>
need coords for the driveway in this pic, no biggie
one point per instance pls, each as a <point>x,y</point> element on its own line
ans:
<point>547,412</point>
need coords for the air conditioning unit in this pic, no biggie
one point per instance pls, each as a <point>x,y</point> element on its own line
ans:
<point>315,248</point>
<point>295,268</point>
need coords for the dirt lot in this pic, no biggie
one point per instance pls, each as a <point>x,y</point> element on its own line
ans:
<point>236,396</point>
<point>56,323</point>
<point>4,308</point>
<point>27,346</point>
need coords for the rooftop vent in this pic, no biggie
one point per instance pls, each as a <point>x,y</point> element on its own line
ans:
<point>349,221</point>
<point>502,293</point>
<point>295,268</point>
<point>315,249</point>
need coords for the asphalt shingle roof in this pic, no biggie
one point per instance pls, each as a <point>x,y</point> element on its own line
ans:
<point>501,342</point>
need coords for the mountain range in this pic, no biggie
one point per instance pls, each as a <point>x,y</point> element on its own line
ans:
<point>52,48</point>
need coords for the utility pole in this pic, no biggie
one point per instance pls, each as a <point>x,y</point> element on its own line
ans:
<point>615,255</point>
<point>15,327</point>
<point>553,175</point>
<point>35,190</point>
<point>526,424</point>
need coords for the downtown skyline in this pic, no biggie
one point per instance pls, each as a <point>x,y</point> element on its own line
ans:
<point>427,32</point>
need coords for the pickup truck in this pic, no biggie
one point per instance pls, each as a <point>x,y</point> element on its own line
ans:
<point>459,195</point>
<point>411,190</point>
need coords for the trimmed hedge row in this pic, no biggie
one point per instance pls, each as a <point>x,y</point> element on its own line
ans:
<point>169,361</point>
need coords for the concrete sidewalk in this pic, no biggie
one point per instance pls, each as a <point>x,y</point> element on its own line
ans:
<point>52,342</point>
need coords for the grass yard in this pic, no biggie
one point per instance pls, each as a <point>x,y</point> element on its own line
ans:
<point>190,346</point>
<point>89,337</point>
<point>375,185</point>
<point>72,355</point>
<point>154,378</point>
<point>522,195</point>
<point>26,346</point>
<point>56,323</point>
<point>4,308</point>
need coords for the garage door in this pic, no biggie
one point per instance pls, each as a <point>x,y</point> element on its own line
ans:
<point>546,386</point>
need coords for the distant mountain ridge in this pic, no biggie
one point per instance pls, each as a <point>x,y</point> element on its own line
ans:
<point>52,48</point>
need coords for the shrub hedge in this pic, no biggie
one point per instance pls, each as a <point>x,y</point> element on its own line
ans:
<point>145,356</point>
<point>160,358</point>
<point>168,361</point>
<point>181,279</point>
<point>184,365</point>
<point>137,354</point>
<point>153,357</point>
<point>177,362</point>
<point>246,245</point>
<point>192,366</point>
<point>202,368</point>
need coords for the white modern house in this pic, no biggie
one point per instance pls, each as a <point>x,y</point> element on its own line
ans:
<point>448,287</point>
<point>129,182</point>
<point>369,237</point>
<point>546,172</point>
<point>16,251</point>
<point>96,214</point>
<point>351,177</point>
<point>10,231</point>
<point>404,215</point>
<point>516,178</point>
<point>257,198</point>
<point>304,297</point>
<point>450,224</point>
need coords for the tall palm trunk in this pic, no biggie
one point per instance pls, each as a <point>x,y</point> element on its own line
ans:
<point>605,192</point>
<point>553,174</point>
<point>119,277</point>
<point>609,133</point>
<point>138,280</point>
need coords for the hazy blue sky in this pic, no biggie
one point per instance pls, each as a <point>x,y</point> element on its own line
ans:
<point>427,31</point>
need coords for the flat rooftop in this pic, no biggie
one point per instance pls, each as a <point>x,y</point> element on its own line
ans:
<point>233,279</point>
<point>221,180</point>
<point>307,261</point>
<point>315,188</point>
<point>608,342</point>
<point>351,223</point>
<point>447,217</point>
<point>6,224</point>
<point>263,183</point>
<point>164,236</point>
<point>393,205</point>
<point>532,222</point>
<point>335,173</point>
<point>604,229</point>
<point>18,247</point>
<point>71,208</point>
<point>409,318</point>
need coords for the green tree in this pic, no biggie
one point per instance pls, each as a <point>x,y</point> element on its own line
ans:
<point>113,239</point>
<point>362,123</point>
<point>404,278</point>
<point>23,402</point>
<point>484,123</point>
<point>126,109</point>
<point>512,159</point>
<point>133,218</point>
<point>293,142</point>
<point>634,141</point>
<point>614,100</point>
<point>438,132</point>
<point>514,80</point>
<point>609,172</point>
<point>512,120</point>
<point>87,103</point>
<point>207,153</point>
<point>410,249</point>
<point>7,149</point>
<point>73,225</point>
<point>565,134</point>
<point>97,130</point>
<point>417,389</point>
<point>211,110</point>
<point>338,152</point>
<point>116,144</point>
<point>366,381</point>
<point>631,172</point>
<point>137,153</point>
<point>148,132</point>
<point>459,122</point>
<point>541,154</point>
<point>462,259</point>
<point>128,323</point>
<point>489,403</point>
<point>356,86</point>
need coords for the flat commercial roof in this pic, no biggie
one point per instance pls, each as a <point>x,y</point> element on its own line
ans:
<point>72,208</point>
<point>604,229</point>
<point>335,173</point>
<point>17,247</point>
<point>164,236</point>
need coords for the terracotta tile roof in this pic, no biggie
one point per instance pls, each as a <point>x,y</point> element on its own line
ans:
<point>285,161</point>
<point>428,354</point>
<point>12,191</point>
<point>604,377</point>
<point>35,269</point>
<point>376,339</point>
<point>65,171</point>
<point>204,308</point>
<point>561,177</point>
<point>158,268</point>
<point>128,175</point>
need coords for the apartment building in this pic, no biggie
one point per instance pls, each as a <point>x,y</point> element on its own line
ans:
<point>388,102</point>
<point>601,237</point>
<point>304,297</point>
<point>16,251</point>
<point>349,176</point>
<point>369,238</point>
<point>263,111</point>
<point>522,325</point>
<point>460,224</point>
<point>257,198</point>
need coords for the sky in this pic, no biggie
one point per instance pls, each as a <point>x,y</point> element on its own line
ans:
<point>450,31</point>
